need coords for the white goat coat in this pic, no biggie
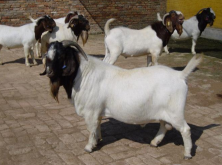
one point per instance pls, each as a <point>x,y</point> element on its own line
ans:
<point>132,96</point>
<point>60,33</point>
<point>60,20</point>
<point>190,30</point>
<point>131,42</point>
<point>14,37</point>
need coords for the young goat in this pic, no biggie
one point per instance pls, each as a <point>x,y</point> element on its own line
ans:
<point>26,35</point>
<point>77,26</point>
<point>60,22</point>
<point>193,27</point>
<point>135,96</point>
<point>130,42</point>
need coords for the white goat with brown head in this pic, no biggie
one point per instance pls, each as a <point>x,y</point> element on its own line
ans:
<point>151,39</point>
<point>25,36</point>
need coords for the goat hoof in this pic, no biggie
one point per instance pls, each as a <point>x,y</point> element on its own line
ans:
<point>1,63</point>
<point>35,63</point>
<point>153,145</point>
<point>88,148</point>
<point>28,65</point>
<point>187,157</point>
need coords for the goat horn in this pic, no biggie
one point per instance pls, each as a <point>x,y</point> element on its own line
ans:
<point>164,18</point>
<point>67,43</point>
<point>75,17</point>
<point>201,10</point>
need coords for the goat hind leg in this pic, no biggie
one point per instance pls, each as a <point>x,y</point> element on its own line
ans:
<point>0,60</point>
<point>160,135</point>
<point>186,135</point>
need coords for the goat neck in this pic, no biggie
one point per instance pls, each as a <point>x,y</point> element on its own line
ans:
<point>162,32</point>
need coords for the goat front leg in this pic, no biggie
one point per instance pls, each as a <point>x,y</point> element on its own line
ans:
<point>193,46</point>
<point>166,50</point>
<point>160,135</point>
<point>32,55</point>
<point>26,51</point>
<point>38,49</point>
<point>92,125</point>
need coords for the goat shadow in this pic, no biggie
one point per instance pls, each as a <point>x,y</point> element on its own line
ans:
<point>22,61</point>
<point>114,130</point>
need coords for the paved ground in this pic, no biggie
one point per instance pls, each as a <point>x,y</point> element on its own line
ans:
<point>35,130</point>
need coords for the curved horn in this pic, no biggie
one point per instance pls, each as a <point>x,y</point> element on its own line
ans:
<point>164,18</point>
<point>67,43</point>
<point>201,10</point>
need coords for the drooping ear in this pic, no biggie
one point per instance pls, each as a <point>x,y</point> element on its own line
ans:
<point>169,24</point>
<point>71,63</point>
<point>73,21</point>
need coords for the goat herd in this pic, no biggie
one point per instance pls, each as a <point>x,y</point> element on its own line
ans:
<point>98,88</point>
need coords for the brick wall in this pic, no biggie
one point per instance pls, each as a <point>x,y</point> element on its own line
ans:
<point>15,12</point>
<point>132,13</point>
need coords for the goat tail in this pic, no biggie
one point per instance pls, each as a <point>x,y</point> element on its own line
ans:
<point>106,28</point>
<point>158,17</point>
<point>192,64</point>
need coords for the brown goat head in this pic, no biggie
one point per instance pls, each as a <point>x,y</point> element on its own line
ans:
<point>45,23</point>
<point>174,20</point>
<point>80,26</point>
<point>62,63</point>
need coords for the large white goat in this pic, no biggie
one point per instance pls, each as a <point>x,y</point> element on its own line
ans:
<point>25,36</point>
<point>193,27</point>
<point>130,42</point>
<point>135,96</point>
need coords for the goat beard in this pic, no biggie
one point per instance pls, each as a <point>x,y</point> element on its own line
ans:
<point>55,85</point>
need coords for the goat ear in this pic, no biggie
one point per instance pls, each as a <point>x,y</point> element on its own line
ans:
<point>70,66</point>
<point>169,24</point>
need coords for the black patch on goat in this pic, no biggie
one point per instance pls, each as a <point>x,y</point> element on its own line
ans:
<point>161,32</point>
<point>64,67</point>
<point>204,18</point>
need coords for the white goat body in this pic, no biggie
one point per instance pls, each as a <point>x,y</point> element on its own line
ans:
<point>130,42</point>
<point>14,37</point>
<point>134,96</point>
